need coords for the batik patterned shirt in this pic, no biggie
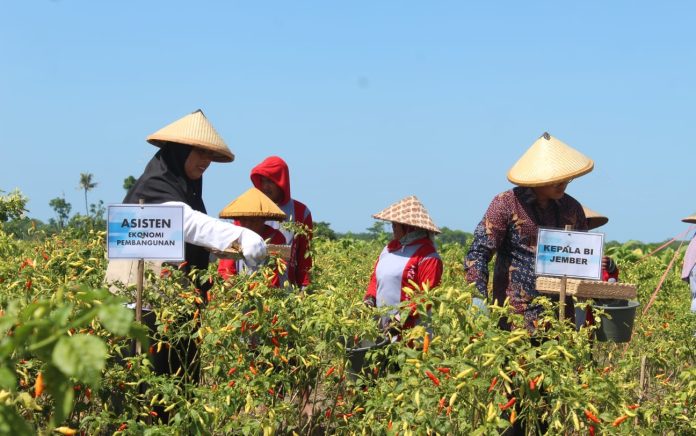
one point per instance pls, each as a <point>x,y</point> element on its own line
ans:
<point>509,230</point>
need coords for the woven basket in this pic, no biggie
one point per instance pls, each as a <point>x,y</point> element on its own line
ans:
<point>587,288</point>
<point>235,252</point>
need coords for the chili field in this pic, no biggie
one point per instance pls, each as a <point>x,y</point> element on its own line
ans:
<point>273,362</point>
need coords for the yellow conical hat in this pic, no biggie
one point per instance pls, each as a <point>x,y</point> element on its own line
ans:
<point>594,219</point>
<point>253,203</point>
<point>549,161</point>
<point>194,130</point>
<point>690,219</point>
<point>408,211</point>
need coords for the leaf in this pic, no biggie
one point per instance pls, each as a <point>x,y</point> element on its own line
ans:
<point>81,356</point>
<point>61,390</point>
<point>7,379</point>
<point>12,423</point>
<point>116,318</point>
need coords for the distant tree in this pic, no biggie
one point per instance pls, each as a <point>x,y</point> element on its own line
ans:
<point>12,206</point>
<point>322,229</point>
<point>62,209</point>
<point>128,182</point>
<point>377,230</point>
<point>87,184</point>
<point>448,235</point>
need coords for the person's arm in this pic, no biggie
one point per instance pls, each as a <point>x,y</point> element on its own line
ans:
<point>429,272</point>
<point>488,237</point>
<point>208,232</point>
<point>370,297</point>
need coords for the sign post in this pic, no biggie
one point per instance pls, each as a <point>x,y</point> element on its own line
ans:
<point>565,253</point>
<point>144,232</point>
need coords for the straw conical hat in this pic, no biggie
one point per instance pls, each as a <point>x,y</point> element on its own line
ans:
<point>195,130</point>
<point>690,219</point>
<point>594,219</point>
<point>549,161</point>
<point>408,211</point>
<point>253,203</point>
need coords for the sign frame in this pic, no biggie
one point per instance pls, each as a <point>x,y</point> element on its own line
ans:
<point>171,244</point>
<point>563,238</point>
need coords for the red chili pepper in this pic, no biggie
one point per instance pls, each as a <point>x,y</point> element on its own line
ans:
<point>493,383</point>
<point>617,422</point>
<point>38,385</point>
<point>122,427</point>
<point>28,284</point>
<point>153,413</point>
<point>330,371</point>
<point>44,255</point>
<point>592,430</point>
<point>508,404</point>
<point>271,391</point>
<point>634,406</point>
<point>444,370</point>
<point>274,320</point>
<point>231,383</point>
<point>275,341</point>
<point>232,370</point>
<point>253,369</point>
<point>591,417</point>
<point>532,384</point>
<point>440,405</point>
<point>432,377</point>
<point>183,264</point>
<point>328,413</point>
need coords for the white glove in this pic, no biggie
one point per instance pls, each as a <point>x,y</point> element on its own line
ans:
<point>253,247</point>
<point>480,304</point>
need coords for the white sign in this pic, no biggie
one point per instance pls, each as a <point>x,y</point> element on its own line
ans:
<point>145,232</point>
<point>568,253</point>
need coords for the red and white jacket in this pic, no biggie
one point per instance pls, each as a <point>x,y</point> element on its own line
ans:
<point>300,262</point>
<point>397,266</point>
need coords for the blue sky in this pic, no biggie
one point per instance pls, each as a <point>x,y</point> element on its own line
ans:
<point>367,101</point>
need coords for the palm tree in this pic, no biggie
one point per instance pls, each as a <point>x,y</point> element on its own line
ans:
<point>86,184</point>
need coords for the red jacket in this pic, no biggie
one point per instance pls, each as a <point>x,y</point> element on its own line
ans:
<point>397,267</point>
<point>228,267</point>
<point>300,265</point>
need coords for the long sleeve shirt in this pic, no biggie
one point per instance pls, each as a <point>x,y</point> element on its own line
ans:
<point>509,230</point>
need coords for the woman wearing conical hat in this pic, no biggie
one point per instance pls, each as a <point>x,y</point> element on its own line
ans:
<point>689,268</point>
<point>175,176</point>
<point>409,257</point>
<point>509,226</point>
<point>251,210</point>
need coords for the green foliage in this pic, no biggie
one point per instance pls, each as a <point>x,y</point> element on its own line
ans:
<point>277,361</point>
<point>128,182</point>
<point>12,206</point>
<point>449,236</point>
<point>323,230</point>
<point>62,209</point>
